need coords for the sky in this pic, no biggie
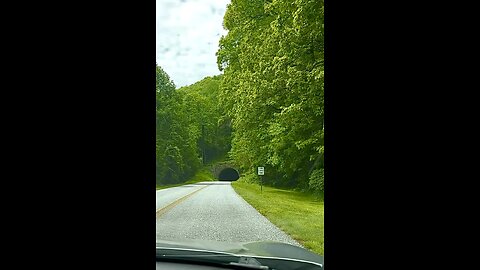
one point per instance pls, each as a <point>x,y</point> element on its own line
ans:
<point>188,32</point>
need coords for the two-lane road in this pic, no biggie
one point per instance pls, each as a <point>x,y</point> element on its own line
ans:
<point>212,211</point>
<point>169,195</point>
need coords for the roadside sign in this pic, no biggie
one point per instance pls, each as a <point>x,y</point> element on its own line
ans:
<point>261,170</point>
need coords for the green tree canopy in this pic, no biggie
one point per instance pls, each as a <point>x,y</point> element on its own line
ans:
<point>272,89</point>
<point>190,127</point>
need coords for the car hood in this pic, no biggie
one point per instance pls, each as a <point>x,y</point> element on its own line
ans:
<point>260,248</point>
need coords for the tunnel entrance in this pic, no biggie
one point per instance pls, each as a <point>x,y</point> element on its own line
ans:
<point>228,174</point>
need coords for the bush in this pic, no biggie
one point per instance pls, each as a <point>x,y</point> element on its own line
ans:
<point>250,178</point>
<point>316,182</point>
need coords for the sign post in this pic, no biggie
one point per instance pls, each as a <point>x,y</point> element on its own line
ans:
<point>261,172</point>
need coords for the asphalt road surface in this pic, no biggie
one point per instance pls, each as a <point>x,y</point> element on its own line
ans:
<point>212,211</point>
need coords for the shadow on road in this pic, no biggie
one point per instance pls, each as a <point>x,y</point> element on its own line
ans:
<point>210,183</point>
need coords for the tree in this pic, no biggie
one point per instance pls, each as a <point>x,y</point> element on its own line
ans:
<point>272,88</point>
<point>206,118</point>
<point>189,123</point>
<point>176,155</point>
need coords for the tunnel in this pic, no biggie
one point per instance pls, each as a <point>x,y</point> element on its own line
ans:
<point>228,174</point>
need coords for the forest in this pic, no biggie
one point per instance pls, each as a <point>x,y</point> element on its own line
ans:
<point>265,109</point>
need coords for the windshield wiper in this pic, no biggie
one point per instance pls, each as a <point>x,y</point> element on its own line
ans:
<point>249,262</point>
<point>243,262</point>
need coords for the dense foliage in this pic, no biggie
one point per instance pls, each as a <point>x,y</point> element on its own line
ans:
<point>273,88</point>
<point>207,120</point>
<point>190,129</point>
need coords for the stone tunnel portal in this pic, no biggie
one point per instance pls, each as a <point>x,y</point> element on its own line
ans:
<point>228,174</point>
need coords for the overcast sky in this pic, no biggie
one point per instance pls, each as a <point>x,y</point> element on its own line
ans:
<point>188,32</point>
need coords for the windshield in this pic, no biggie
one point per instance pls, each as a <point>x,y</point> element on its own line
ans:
<point>239,130</point>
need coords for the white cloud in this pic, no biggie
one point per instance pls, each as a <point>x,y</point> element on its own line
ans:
<point>188,32</point>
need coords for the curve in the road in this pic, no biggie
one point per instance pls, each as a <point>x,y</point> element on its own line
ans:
<point>218,213</point>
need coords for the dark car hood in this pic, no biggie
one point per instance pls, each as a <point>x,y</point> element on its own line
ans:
<point>261,248</point>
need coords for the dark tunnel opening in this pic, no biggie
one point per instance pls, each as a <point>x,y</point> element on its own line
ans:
<point>228,174</point>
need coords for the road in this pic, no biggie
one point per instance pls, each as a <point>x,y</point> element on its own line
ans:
<point>212,211</point>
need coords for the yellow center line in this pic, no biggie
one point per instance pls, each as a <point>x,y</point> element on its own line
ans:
<point>166,208</point>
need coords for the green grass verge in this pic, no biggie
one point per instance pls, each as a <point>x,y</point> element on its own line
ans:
<point>298,214</point>
<point>201,176</point>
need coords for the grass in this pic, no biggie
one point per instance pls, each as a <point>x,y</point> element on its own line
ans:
<point>202,175</point>
<point>298,214</point>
